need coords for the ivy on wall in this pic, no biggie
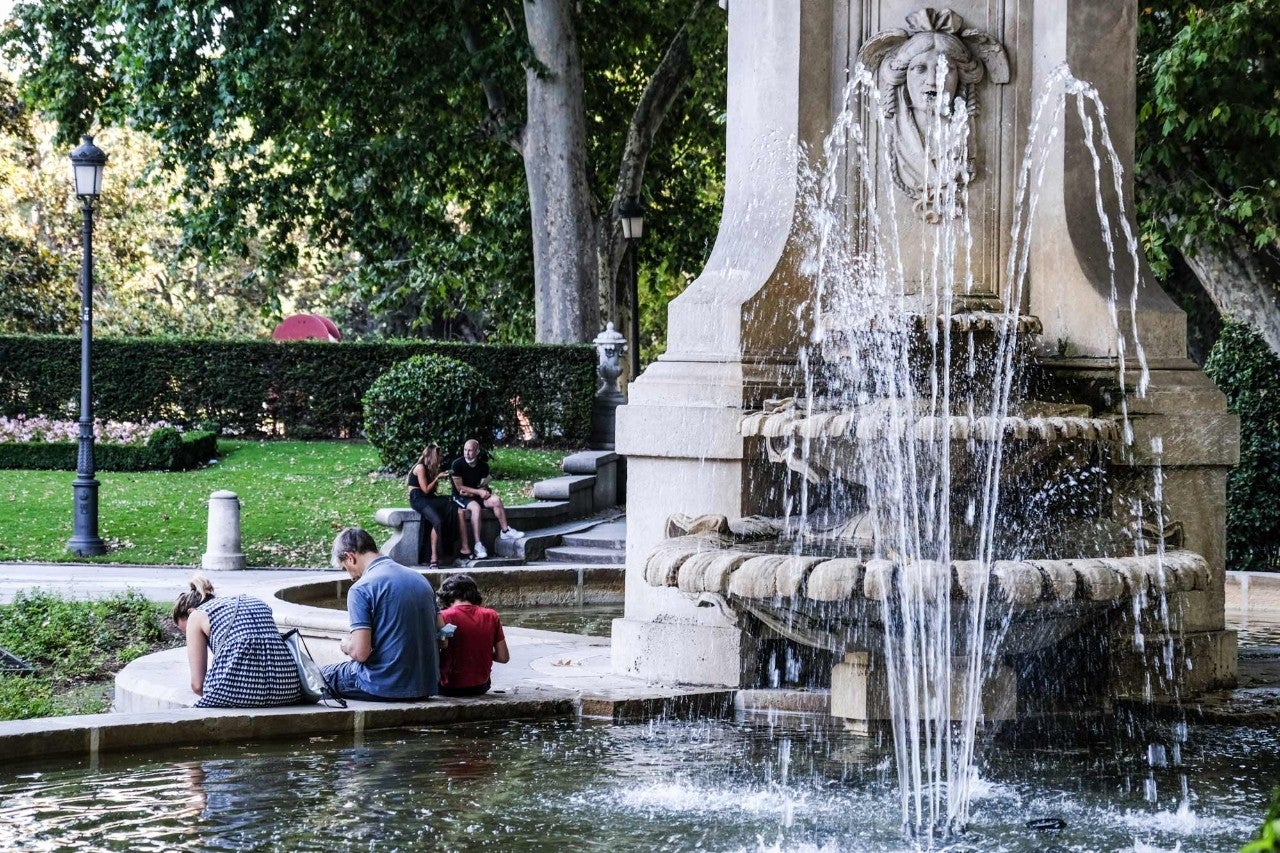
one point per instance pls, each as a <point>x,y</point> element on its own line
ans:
<point>1248,372</point>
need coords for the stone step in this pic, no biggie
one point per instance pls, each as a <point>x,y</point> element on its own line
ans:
<point>577,491</point>
<point>563,488</point>
<point>612,536</point>
<point>586,556</point>
<point>588,461</point>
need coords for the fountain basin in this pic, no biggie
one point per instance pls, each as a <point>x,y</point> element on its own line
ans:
<point>1103,621</point>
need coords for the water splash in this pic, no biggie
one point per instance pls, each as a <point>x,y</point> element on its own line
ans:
<point>886,348</point>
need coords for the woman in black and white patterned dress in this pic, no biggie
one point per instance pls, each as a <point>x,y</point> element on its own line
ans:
<point>251,664</point>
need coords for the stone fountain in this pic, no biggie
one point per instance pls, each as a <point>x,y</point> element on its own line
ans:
<point>1034,470</point>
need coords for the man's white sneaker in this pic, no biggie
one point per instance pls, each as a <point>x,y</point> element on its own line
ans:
<point>511,533</point>
<point>480,552</point>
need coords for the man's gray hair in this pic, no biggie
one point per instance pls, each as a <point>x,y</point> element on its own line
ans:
<point>353,540</point>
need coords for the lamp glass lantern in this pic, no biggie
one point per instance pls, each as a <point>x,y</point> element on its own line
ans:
<point>631,215</point>
<point>88,162</point>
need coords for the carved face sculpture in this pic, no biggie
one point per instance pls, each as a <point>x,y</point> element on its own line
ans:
<point>925,72</point>
<point>924,83</point>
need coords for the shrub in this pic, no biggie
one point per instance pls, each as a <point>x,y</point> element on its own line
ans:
<point>23,697</point>
<point>67,639</point>
<point>165,442</point>
<point>75,646</point>
<point>430,398</point>
<point>1249,374</point>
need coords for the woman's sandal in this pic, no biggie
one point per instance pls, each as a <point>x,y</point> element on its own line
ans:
<point>433,566</point>
<point>466,555</point>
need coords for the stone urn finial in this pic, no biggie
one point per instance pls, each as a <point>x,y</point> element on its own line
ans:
<point>611,346</point>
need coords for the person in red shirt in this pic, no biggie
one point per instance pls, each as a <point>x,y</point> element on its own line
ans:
<point>478,641</point>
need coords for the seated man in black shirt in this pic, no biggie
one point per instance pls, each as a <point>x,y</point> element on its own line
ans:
<point>471,493</point>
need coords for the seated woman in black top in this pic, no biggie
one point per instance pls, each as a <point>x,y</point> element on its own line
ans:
<point>425,496</point>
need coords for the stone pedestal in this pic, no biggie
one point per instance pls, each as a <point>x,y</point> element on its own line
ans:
<point>735,334</point>
<point>860,692</point>
<point>223,550</point>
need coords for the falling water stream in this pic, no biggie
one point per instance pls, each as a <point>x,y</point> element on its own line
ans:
<point>884,346</point>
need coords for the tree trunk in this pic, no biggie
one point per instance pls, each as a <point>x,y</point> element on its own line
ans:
<point>553,145</point>
<point>1242,284</point>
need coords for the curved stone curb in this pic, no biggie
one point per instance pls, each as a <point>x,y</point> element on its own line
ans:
<point>91,734</point>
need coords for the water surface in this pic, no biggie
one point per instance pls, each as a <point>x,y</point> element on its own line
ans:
<point>786,784</point>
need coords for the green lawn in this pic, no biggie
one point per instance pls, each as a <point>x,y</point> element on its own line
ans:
<point>294,496</point>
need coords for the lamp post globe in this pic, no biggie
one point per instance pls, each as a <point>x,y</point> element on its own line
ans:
<point>87,165</point>
<point>631,216</point>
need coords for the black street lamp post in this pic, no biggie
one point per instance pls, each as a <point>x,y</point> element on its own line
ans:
<point>631,215</point>
<point>87,163</point>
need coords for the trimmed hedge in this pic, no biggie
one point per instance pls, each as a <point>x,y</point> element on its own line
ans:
<point>165,450</point>
<point>302,389</point>
<point>1248,372</point>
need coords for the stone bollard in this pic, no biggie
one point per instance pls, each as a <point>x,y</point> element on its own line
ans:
<point>223,550</point>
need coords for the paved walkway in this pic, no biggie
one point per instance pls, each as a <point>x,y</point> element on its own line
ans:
<point>1253,606</point>
<point>158,583</point>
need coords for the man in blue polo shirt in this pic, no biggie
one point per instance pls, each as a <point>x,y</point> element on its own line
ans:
<point>394,623</point>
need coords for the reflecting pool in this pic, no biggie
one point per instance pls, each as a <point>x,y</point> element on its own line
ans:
<point>786,783</point>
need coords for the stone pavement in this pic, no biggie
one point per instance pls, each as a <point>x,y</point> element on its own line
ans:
<point>158,583</point>
<point>1253,606</point>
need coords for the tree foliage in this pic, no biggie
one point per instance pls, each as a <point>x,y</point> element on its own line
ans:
<point>147,281</point>
<point>1208,125</point>
<point>385,132</point>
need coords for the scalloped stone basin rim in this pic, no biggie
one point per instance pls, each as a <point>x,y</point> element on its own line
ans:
<point>706,563</point>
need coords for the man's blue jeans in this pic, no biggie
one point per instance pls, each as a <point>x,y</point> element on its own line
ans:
<point>342,677</point>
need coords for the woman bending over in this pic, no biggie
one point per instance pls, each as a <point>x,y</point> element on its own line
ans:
<point>251,664</point>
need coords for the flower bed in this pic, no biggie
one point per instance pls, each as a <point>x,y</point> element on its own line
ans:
<point>22,430</point>
<point>41,443</point>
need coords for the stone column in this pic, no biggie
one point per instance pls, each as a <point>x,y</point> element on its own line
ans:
<point>733,335</point>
